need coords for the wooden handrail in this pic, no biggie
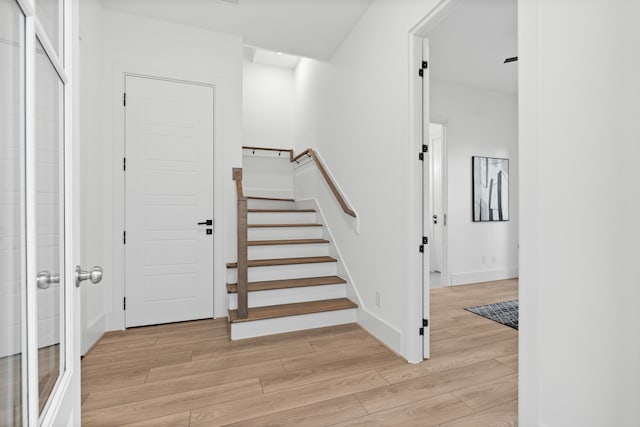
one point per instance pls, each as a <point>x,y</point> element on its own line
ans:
<point>334,189</point>
<point>279,150</point>
<point>242,269</point>
<point>310,153</point>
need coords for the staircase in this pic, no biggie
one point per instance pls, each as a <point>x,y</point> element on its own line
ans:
<point>293,282</point>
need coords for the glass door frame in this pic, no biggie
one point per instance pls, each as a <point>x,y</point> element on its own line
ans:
<point>61,62</point>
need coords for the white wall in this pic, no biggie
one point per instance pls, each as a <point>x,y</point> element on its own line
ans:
<point>268,102</point>
<point>479,123</point>
<point>135,44</point>
<point>580,204</point>
<point>354,109</point>
<point>92,211</point>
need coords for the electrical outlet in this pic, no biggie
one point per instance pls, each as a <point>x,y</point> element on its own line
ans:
<point>378,298</point>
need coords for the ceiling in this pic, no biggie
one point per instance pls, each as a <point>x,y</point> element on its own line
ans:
<point>470,45</point>
<point>311,28</point>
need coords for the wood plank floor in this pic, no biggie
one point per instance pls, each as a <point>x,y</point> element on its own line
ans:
<point>190,374</point>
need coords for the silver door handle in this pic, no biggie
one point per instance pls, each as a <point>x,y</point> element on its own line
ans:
<point>94,275</point>
<point>45,279</point>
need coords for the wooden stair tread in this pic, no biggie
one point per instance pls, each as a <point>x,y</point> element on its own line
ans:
<point>284,261</point>
<point>283,225</point>
<point>280,210</point>
<point>286,310</point>
<point>286,242</point>
<point>232,288</point>
<point>277,199</point>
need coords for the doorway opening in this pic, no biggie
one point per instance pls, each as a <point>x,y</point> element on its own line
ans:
<point>465,108</point>
<point>438,205</point>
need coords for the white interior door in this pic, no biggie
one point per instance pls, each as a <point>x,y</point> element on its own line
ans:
<point>169,199</point>
<point>40,358</point>
<point>426,203</point>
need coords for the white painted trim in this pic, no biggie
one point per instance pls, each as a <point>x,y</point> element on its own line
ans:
<point>93,333</point>
<point>413,343</point>
<point>116,319</point>
<point>389,335</point>
<point>291,295</point>
<point>333,247</point>
<point>280,325</point>
<point>27,7</point>
<point>377,327</point>
<point>483,276</point>
<point>30,200</point>
<point>284,193</point>
<point>51,52</point>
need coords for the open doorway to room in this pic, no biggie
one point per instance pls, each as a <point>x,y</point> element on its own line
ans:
<point>466,53</point>
<point>437,199</point>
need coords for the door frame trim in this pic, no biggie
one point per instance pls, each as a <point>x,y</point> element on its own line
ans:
<point>413,347</point>
<point>114,179</point>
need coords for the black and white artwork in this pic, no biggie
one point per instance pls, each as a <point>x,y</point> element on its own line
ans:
<point>490,189</point>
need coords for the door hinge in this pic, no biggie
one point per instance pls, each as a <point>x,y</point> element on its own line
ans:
<point>425,64</point>
<point>124,237</point>
<point>124,303</point>
<point>421,156</point>
<point>124,99</point>
<point>421,249</point>
<point>124,163</point>
<point>421,330</point>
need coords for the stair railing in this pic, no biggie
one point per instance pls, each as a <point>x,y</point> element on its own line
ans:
<point>323,171</point>
<point>334,189</point>
<point>243,285</point>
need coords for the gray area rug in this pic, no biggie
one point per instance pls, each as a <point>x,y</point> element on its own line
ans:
<point>502,312</point>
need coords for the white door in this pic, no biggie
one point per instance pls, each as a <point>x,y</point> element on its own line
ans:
<point>39,351</point>
<point>169,201</point>
<point>426,202</point>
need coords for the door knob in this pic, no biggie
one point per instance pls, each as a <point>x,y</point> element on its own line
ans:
<point>207,222</point>
<point>94,275</point>
<point>45,279</point>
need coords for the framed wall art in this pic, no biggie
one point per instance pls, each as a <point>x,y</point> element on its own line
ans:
<point>490,189</point>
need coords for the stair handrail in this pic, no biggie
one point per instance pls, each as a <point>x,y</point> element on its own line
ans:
<point>243,268</point>
<point>323,171</point>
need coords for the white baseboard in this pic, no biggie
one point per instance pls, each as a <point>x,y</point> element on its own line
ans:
<point>380,329</point>
<point>93,334</point>
<point>483,276</point>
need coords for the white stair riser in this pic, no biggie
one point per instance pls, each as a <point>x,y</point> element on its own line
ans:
<point>291,295</point>
<point>288,251</point>
<point>283,233</point>
<point>282,272</point>
<point>281,217</point>
<point>269,204</point>
<point>258,328</point>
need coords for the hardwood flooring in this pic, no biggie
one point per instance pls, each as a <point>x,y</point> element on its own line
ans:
<point>190,374</point>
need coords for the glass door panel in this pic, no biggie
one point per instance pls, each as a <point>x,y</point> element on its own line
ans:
<point>12,225</point>
<point>49,216</point>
